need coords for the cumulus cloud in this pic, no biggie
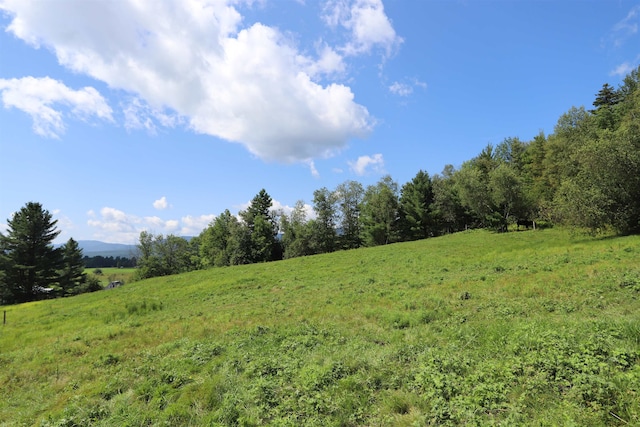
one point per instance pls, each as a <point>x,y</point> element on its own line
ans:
<point>193,225</point>
<point>367,23</point>
<point>286,209</point>
<point>192,62</point>
<point>366,163</point>
<point>161,203</point>
<point>45,98</point>
<point>114,225</point>
<point>140,115</point>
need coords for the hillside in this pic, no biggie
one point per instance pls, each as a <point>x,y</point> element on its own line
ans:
<point>474,328</point>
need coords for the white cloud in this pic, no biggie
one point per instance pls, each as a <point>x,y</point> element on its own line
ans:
<point>113,225</point>
<point>277,206</point>
<point>406,89</point>
<point>626,27</point>
<point>625,68</point>
<point>286,209</point>
<point>140,115</point>
<point>193,225</point>
<point>629,25</point>
<point>161,203</point>
<point>401,89</point>
<point>44,98</point>
<point>314,171</point>
<point>367,23</point>
<point>192,61</point>
<point>172,225</point>
<point>361,166</point>
<point>622,69</point>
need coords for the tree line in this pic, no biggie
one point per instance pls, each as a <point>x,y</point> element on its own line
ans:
<point>31,268</point>
<point>100,261</point>
<point>585,174</point>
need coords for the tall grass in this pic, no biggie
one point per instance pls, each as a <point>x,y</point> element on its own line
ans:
<point>527,328</point>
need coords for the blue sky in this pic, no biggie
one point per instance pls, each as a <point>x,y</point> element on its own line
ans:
<point>123,116</point>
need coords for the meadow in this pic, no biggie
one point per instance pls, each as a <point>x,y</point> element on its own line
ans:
<point>476,328</point>
<point>111,274</point>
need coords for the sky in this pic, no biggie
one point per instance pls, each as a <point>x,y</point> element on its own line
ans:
<point>131,115</point>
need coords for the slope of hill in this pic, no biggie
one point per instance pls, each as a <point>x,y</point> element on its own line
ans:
<point>528,328</point>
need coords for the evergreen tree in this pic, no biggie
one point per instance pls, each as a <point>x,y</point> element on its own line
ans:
<point>30,262</point>
<point>416,208</point>
<point>72,275</point>
<point>606,97</point>
<point>259,207</point>
<point>262,227</point>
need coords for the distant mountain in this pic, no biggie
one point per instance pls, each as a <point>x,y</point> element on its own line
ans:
<point>93,248</point>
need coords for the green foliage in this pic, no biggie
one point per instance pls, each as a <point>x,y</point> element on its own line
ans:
<point>416,208</point>
<point>297,233</point>
<point>72,276</point>
<point>162,256</point>
<point>379,213</point>
<point>349,196</point>
<point>324,227</point>
<point>261,245</point>
<point>472,328</point>
<point>29,261</point>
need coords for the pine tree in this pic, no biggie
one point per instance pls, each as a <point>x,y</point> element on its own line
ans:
<point>72,275</point>
<point>29,260</point>
<point>607,97</point>
<point>263,228</point>
<point>416,210</point>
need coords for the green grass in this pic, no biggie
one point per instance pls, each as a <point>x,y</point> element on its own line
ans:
<point>529,328</point>
<point>110,274</point>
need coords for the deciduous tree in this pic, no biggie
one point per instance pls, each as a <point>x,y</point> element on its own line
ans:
<point>324,226</point>
<point>348,196</point>
<point>379,213</point>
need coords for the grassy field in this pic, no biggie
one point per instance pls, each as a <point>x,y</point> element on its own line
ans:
<point>529,328</point>
<point>110,274</point>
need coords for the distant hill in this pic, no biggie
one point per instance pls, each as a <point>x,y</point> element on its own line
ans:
<point>93,248</point>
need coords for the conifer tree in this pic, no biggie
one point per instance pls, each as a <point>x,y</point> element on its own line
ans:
<point>72,275</point>
<point>29,260</point>
<point>416,210</point>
